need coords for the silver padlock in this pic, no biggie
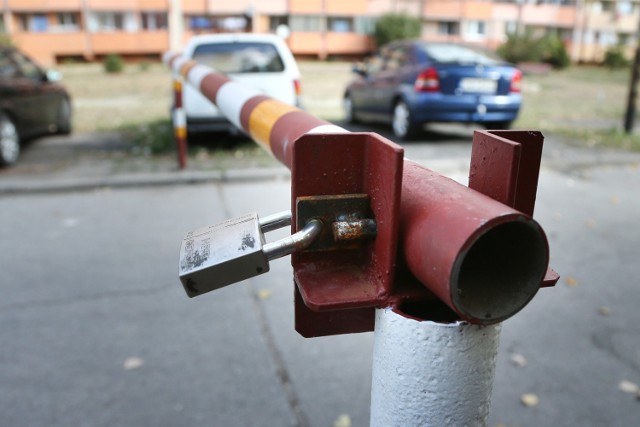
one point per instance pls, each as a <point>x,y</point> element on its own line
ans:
<point>234,250</point>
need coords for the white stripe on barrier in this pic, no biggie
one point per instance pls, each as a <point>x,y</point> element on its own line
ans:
<point>328,129</point>
<point>179,118</point>
<point>166,57</point>
<point>231,98</point>
<point>197,74</point>
<point>178,63</point>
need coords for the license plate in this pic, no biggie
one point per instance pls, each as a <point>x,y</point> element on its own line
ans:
<point>478,85</point>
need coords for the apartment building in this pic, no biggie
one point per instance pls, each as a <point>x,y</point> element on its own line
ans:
<point>54,30</point>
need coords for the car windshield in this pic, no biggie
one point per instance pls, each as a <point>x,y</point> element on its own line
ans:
<point>456,54</point>
<point>240,57</point>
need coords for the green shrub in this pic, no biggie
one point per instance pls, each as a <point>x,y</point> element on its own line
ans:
<point>155,137</point>
<point>5,40</point>
<point>396,26</point>
<point>615,58</point>
<point>113,63</point>
<point>527,48</point>
<point>554,52</point>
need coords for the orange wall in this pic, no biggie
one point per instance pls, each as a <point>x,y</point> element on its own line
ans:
<point>311,43</point>
<point>307,43</point>
<point>443,9</point>
<point>546,14</point>
<point>343,7</point>
<point>305,6</point>
<point>44,48</point>
<point>129,43</point>
<point>330,7</point>
<point>478,10</point>
<point>194,6</point>
<point>43,5</point>
<point>348,44</point>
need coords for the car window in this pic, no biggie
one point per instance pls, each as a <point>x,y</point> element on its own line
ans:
<point>8,69</point>
<point>456,54</point>
<point>240,57</point>
<point>28,68</point>
<point>395,58</point>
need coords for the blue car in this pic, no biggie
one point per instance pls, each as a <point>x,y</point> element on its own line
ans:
<point>410,83</point>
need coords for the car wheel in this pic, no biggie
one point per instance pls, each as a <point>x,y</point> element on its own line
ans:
<point>9,141</point>
<point>504,125</point>
<point>403,126</point>
<point>347,105</point>
<point>64,117</point>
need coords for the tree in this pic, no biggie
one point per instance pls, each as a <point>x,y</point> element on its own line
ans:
<point>396,26</point>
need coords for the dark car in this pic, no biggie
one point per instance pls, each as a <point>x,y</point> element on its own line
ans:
<point>31,103</point>
<point>411,83</point>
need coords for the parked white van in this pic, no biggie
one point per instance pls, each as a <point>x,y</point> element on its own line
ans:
<point>263,61</point>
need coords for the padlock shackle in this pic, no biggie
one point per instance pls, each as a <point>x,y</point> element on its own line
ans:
<point>298,241</point>
<point>275,221</point>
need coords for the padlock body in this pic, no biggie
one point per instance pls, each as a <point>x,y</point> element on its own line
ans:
<point>221,254</point>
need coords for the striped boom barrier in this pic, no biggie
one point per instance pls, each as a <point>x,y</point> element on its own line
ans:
<point>271,123</point>
<point>179,123</point>
<point>434,212</point>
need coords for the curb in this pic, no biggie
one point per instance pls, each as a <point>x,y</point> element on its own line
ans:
<point>49,184</point>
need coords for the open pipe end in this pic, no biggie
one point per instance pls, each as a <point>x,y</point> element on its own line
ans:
<point>500,272</point>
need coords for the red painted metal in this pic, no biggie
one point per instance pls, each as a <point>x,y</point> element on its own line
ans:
<point>505,165</point>
<point>482,258</point>
<point>471,253</point>
<point>346,279</point>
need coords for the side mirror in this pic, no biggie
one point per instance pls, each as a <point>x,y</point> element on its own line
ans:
<point>360,68</point>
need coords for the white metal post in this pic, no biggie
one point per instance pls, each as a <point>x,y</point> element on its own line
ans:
<point>431,374</point>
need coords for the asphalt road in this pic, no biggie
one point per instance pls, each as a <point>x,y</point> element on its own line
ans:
<point>97,331</point>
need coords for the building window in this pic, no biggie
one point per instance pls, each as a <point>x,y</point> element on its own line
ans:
<point>106,21</point>
<point>276,21</point>
<point>67,22</point>
<point>340,24</point>
<point>306,23</point>
<point>448,28</point>
<point>200,23</point>
<point>113,21</point>
<point>152,21</point>
<point>475,30</point>
<point>364,25</point>
<point>36,23</point>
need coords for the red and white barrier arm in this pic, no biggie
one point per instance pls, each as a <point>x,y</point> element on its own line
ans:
<point>271,123</point>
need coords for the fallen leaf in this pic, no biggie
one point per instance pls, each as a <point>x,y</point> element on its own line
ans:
<point>131,363</point>
<point>628,387</point>
<point>604,311</point>
<point>571,281</point>
<point>591,223</point>
<point>615,200</point>
<point>518,360</point>
<point>264,294</point>
<point>529,400</point>
<point>343,420</point>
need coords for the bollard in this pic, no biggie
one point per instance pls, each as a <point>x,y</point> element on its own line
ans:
<point>431,374</point>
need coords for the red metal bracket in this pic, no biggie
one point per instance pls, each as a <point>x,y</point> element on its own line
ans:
<point>331,281</point>
<point>505,165</point>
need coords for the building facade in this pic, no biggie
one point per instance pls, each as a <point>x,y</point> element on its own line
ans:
<point>55,30</point>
